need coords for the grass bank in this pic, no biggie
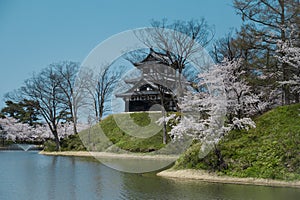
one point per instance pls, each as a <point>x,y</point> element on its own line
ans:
<point>203,175</point>
<point>133,132</point>
<point>270,151</point>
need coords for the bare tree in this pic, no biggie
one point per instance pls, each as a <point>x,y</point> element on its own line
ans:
<point>67,71</point>
<point>226,48</point>
<point>44,89</point>
<point>99,87</point>
<point>177,42</point>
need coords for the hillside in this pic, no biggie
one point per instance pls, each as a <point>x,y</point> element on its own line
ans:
<point>271,150</point>
<point>107,135</point>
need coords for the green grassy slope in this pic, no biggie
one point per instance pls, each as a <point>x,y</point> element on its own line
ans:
<point>271,150</point>
<point>112,130</point>
<point>118,135</point>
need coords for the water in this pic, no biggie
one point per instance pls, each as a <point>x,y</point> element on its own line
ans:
<point>28,175</point>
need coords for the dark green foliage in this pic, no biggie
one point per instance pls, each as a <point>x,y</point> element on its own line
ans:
<point>5,143</point>
<point>72,143</point>
<point>49,145</point>
<point>24,111</point>
<point>2,115</point>
<point>271,150</point>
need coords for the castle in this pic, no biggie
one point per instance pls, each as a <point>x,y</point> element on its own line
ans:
<point>156,85</point>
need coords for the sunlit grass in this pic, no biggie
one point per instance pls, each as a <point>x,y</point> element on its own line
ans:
<point>271,150</point>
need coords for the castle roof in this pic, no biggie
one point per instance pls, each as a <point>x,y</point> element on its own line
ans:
<point>154,57</point>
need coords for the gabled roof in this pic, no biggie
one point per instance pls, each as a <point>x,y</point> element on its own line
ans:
<point>132,91</point>
<point>126,94</point>
<point>156,57</point>
<point>139,84</point>
<point>133,80</point>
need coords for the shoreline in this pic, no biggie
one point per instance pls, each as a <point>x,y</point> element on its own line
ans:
<point>201,175</point>
<point>110,155</point>
<point>184,174</point>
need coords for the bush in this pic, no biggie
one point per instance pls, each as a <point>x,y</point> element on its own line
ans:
<point>72,143</point>
<point>49,145</point>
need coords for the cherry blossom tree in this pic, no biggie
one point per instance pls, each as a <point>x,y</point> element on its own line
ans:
<point>22,132</point>
<point>224,102</point>
<point>241,100</point>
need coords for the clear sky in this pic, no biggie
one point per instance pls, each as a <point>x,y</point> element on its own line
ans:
<point>36,33</point>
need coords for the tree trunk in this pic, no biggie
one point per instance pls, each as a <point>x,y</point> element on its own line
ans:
<point>180,92</point>
<point>75,127</point>
<point>220,160</point>
<point>164,122</point>
<point>73,118</point>
<point>101,109</point>
<point>96,110</point>
<point>286,95</point>
<point>297,98</point>
<point>164,130</point>
<point>56,139</point>
<point>286,88</point>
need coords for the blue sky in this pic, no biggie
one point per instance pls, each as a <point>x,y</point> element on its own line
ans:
<point>36,33</point>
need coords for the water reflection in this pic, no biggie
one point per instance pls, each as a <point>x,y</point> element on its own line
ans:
<point>136,165</point>
<point>27,175</point>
